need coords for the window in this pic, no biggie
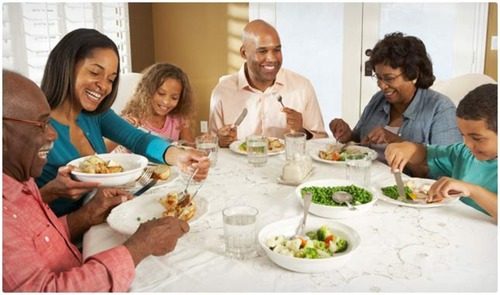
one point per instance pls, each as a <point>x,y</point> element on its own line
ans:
<point>31,30</point>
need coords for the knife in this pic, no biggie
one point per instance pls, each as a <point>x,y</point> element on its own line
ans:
<point>400,185</point>
<point>240,117</point>
<point>143,189</point>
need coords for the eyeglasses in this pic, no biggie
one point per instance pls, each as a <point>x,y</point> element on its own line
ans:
<point>386,80</point>
<point>43,125</point>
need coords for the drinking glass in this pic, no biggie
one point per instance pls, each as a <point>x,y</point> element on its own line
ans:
<point>358,169</point>
<point>240,235</point>
<point>295,145</point>
<point>257,150</point>
<point>209,144</point>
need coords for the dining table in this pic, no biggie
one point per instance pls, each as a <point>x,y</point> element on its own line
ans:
<point>450,248</point>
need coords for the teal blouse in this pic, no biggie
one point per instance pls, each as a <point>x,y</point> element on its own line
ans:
<point>458,162</point>
<point>96,127</point>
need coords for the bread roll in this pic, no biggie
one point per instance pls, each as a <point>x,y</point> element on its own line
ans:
<point>161,172</point>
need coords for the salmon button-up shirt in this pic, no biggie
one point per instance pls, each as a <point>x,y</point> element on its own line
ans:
<point>39,256</point>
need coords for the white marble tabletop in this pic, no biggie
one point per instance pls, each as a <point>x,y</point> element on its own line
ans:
<point>445,249</point>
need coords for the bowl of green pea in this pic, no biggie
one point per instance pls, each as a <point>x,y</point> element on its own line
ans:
<point>323,205</point>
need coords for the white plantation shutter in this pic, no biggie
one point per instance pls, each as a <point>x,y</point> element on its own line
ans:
<point>31,30</point>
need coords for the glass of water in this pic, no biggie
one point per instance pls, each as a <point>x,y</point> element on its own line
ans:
<point>209,144</point>
<point>257,150</point>
<point>240,234</point>
<point>358,169</point>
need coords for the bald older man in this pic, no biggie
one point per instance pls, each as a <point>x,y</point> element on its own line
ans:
<point>38,254</point>
<point>257,86</point>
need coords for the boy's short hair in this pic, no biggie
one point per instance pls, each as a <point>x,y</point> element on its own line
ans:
<point>480,104</point>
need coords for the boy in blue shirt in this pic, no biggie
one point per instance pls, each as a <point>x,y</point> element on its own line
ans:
<point>469,168</point>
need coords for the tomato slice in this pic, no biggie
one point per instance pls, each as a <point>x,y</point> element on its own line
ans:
<point>328,240</point>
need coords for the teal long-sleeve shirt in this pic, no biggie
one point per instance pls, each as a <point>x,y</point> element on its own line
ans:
<point>458,162</point>
<point>95,128</point>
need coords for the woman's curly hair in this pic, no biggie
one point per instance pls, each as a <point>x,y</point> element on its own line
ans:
<point>407,53</point>
<point>140,105</point>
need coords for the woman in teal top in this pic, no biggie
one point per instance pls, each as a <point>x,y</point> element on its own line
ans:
<point>469,168</point>
<point>80,82</point>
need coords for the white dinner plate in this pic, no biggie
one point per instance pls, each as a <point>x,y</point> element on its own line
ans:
<point>416,203</point>
<point>235,147</point>
<point>314,153</point>
<point>127,217</point>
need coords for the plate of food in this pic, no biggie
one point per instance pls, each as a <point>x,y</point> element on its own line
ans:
<point>329,244</point>
<point>112,169</point>
<point>275,146</point>
<point>416,193</point>
<point>126,217</point>
<point>323,205</point>
<point>332,153</point>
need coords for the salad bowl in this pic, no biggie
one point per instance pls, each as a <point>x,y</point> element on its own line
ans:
<point>305,265</point>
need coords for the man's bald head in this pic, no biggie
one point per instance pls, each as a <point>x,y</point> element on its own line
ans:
<point>19,95</point>
<point>255,28</point>
<point>26,140</point>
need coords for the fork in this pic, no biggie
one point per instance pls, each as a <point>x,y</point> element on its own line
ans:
<point>145,176</point>
<point>184,193</point>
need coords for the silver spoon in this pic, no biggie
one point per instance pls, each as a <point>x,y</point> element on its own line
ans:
<point>343,197</point>
<point>299,232</point>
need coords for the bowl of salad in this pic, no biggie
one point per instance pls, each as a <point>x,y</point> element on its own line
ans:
<point>323,205</point>
<point>327,244</point>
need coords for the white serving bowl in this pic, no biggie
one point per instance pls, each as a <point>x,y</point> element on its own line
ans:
<point>133,166</point>
<point>287,228</point>
<point>334,211</point>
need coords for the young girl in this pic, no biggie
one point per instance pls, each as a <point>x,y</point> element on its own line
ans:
<point>162,103</point>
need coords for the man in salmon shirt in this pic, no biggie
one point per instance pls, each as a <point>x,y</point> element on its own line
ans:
<point>38,253</point>
<point>257,86</point>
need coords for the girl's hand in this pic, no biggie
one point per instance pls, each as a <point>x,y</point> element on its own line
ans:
<point>380,135</point>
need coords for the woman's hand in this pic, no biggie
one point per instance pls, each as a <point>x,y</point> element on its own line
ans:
<point>380,135</point>
<point>64,187</point>
<point>188,160</point>
<point>341,130</point>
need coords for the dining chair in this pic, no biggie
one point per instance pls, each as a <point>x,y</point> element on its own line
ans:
<point>126,88</point>
<point>456,88</point>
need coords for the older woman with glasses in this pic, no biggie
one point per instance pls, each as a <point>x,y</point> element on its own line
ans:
<point>404,108</point>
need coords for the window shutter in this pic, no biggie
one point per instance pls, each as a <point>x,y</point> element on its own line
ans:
<point>31,30</point>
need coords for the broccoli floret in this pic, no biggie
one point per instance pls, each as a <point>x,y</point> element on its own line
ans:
<point>319,245</point>
<point>341,245</point>
<point>313,235</point>
<point>323,232</point>
<point>310,253</point>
